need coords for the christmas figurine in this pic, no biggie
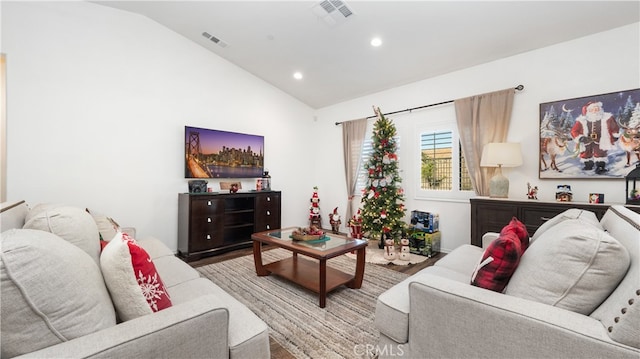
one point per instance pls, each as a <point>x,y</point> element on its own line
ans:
<point>389,250</point>
<point>404,249</point>
<point>355,225</point>
<point>314,210</point>
<point>334,220</point>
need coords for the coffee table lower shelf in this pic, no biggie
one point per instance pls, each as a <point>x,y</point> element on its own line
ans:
<point>306,273</point>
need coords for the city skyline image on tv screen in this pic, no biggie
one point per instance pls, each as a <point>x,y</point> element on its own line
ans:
<point>222,154</point>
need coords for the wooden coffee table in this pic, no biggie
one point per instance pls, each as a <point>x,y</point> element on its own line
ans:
<point>315,276</point>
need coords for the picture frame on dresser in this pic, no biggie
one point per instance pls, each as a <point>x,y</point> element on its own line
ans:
<point>590,137</point>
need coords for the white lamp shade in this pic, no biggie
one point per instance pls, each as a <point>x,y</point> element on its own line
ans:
<point>501,155</point>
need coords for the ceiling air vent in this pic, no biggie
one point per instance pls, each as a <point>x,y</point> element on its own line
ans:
<point>332,12</point>
<point>215,39</point>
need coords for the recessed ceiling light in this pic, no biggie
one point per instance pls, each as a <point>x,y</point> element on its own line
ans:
<point>376,41</point>
<point>297,75</point>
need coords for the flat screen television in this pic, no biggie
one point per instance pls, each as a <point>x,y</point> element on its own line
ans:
<point>221,154</point>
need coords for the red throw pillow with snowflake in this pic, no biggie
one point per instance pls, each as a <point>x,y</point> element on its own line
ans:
<point>134,284</point>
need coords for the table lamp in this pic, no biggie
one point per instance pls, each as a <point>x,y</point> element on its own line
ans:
<point>500,155</point>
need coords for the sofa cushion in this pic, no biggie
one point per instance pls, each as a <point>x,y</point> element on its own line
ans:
<point>573,266</point>
<point>519,229</point>
<point>498,262</point>
<point>71,224</point>
<point>463,260</point>
<point>571,214</point>
<point>133,281</point>
<point>246,329</point>
<point>52,292</point>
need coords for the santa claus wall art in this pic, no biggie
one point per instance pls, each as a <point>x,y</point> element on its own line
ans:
<point>590,137</point>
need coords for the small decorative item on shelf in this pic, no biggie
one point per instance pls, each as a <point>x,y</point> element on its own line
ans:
<point>334,220</point>
<point>355,225</point>
<point>266,181</point>
<point>596,197</point>
<point>532,191</point>
<point>632,182</point>
<point>563,193</point>
<point>197,186</point>
<point>314,210</point>
<point>233,188</point>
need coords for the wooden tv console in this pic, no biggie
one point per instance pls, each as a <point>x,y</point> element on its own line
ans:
<point>212,223</point>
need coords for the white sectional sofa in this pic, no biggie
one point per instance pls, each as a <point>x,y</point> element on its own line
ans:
<point>552,307</point>
<point>55,302</point>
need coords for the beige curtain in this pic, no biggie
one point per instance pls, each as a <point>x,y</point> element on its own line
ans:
<point>353,134</point>
<point>482,119</point>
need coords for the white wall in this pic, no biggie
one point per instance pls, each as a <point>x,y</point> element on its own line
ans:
<point>601,63</point>
<point>97,103</point>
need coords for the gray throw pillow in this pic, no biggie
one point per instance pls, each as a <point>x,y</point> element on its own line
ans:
<point>52,292</point>
<point>574,213</point>
<point>72,224</point>
<point>573,266</point>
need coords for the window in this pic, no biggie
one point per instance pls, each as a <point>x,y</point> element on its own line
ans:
<point>442,165</point>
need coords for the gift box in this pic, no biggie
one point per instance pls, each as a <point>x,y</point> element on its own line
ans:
<point>425,221</point>
<point>424,243</point>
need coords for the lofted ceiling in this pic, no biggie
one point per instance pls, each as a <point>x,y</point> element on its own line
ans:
<point>420,39</point>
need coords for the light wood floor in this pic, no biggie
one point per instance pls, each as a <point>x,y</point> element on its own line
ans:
<point>277,351</point>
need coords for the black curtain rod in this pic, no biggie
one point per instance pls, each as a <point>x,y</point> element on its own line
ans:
<point>518,88</point>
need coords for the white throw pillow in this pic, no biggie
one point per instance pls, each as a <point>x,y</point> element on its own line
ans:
<point>133,281</point>
<point>72,224</point>
<point>573,265</point>
<point>573,213</point>
<point>52,292</point>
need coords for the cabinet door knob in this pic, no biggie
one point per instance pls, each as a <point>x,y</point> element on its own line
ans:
<point>268,213</point>
<point>268,199</point>
<point>208,236</point>
<point>208,203</point>
<point>268,226</point>
<point>544,219</point>
<point>209,219</point>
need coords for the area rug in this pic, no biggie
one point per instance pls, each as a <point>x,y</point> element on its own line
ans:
<point>376,255</point>
<point>342,329</point>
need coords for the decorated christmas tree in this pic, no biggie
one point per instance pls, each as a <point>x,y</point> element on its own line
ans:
<point>383,198</point>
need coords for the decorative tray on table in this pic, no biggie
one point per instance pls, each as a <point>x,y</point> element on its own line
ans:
<point>307,234</point>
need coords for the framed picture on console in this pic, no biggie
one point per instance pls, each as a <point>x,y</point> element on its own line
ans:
<point>591,137</point>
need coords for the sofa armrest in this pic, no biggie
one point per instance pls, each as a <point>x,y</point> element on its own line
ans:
<point>194,329</point>
<point>489,237</point>
<point>458,320</point>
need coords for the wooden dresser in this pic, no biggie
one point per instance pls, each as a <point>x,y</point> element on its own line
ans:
<point>211,223</point>
<point>492,214</point>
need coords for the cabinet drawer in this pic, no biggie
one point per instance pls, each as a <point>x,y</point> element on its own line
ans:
<point>268,201</point>
<point>535,217</point>
<point>205,240</point>
<point>202,207</point>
